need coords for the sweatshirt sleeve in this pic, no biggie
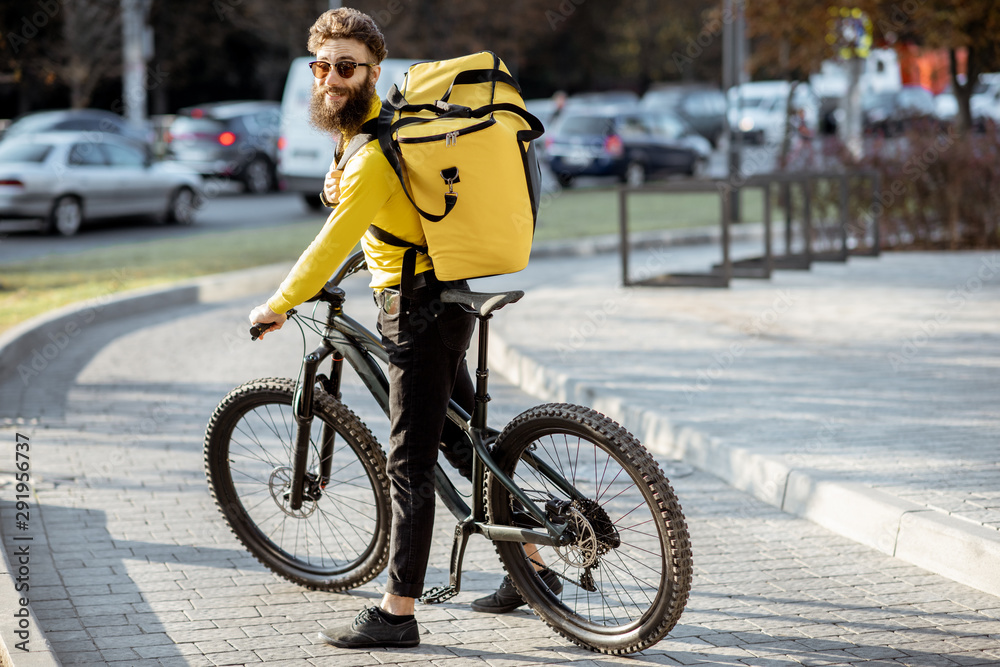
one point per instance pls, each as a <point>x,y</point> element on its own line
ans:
<point>363,192</point>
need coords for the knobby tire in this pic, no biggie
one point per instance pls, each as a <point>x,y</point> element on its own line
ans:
<point>627,575</point>
<point>336,541</point>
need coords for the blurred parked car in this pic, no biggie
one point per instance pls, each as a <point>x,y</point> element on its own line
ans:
<point>543,109</point>
<point>237,140</point>
<point>945,106</point>
<point>589,100</point>
<point>672,127</point>
<point>763,107</point>
<point>985,102</point>
<point>704,109</point>
<point>78,120</point>
<point>611,141</point>
<point>892,113</point>
<point>67,178</point>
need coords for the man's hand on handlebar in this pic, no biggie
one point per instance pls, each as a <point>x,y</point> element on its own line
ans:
<point>263,315</point>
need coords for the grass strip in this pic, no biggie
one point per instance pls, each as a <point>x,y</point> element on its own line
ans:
<point>28,289</point>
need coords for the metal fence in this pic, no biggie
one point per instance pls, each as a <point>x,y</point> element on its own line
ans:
<point>820,241</point>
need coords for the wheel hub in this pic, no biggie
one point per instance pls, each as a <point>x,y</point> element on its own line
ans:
<point>593,534</point>
<point>280,486</point>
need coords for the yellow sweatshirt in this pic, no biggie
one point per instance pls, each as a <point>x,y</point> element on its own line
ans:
<point>370,193</point>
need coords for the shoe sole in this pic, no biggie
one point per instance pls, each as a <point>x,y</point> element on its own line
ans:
<point>506,609</point>
<point>394,644</point>
<point>496,610</point>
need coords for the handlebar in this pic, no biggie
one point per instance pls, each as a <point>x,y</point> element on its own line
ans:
<point>260,328</point>
<point>351,265</point>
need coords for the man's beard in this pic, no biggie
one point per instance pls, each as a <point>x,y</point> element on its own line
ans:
<point>348,119</point>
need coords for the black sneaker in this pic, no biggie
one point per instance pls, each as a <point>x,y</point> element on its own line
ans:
<point>370,629</point>
<point>507,599</point>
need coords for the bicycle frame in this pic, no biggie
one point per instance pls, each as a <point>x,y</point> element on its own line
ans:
<point>346,339</point>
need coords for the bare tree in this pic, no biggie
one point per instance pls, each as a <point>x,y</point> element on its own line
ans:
<point>90,50</point>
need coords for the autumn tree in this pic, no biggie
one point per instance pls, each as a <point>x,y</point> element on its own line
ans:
<point>950,24</point>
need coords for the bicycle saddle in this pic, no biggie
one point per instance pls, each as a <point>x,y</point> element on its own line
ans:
<point>481,303</point>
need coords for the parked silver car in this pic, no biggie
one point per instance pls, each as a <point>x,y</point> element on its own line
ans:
<point>66,178</point>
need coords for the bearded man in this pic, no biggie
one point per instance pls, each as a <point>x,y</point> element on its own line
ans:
<point>426,352</point>
<point>426,358</point>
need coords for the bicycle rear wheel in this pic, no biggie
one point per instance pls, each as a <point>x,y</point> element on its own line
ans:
<point>627,573</point>
<point>339,538</point>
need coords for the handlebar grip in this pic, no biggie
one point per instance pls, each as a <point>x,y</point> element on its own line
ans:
<point>260,328</point>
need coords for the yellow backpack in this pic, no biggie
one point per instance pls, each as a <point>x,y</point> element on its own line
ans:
<point>459,139</point>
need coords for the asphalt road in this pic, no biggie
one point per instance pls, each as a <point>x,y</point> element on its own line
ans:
<point>227,210</point>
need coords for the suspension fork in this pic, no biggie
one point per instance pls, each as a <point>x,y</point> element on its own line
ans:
<point>332,386</point>
<point>302,405</point>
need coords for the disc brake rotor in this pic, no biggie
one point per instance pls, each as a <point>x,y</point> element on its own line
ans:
<point>583,550</point>
<point>280,484</point>
<point>595,534</point>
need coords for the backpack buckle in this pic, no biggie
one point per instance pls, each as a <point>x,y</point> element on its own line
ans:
<point>450,176</point>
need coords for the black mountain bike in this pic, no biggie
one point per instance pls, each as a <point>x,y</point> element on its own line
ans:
<point>301,481</point>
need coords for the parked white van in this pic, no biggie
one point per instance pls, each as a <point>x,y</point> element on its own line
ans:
<point>305,153</point>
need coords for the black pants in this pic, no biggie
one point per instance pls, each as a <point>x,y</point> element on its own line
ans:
<point>426,348</point>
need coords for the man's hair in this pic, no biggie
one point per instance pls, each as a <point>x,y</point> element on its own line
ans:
<point>350,24</point>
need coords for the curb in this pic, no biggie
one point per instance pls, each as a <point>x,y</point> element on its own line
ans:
<point>954,548</point>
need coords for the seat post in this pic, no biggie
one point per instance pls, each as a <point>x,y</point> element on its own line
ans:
<point>482,374</point>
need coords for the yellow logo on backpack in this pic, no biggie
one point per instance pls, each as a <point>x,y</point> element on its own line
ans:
<point>459,138</point>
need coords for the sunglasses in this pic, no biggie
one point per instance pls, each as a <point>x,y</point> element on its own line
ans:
<point>345,68</point>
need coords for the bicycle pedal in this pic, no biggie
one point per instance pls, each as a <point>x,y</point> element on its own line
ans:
<point>438,594</point>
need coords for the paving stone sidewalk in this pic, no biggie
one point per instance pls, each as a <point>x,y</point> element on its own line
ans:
<point>880,372</point>
<point>135,567</point>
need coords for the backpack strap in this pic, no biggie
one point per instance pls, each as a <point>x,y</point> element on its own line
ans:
<point>357,142</point>
<point>409,268</point>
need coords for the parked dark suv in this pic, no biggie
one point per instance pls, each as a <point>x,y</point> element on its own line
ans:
<point>703,108</point>
<point>237,140</point>
<point>618,142</point>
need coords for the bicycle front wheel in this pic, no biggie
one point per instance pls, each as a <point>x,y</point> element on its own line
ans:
<point>339,538</point>
<point>626,574</point>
